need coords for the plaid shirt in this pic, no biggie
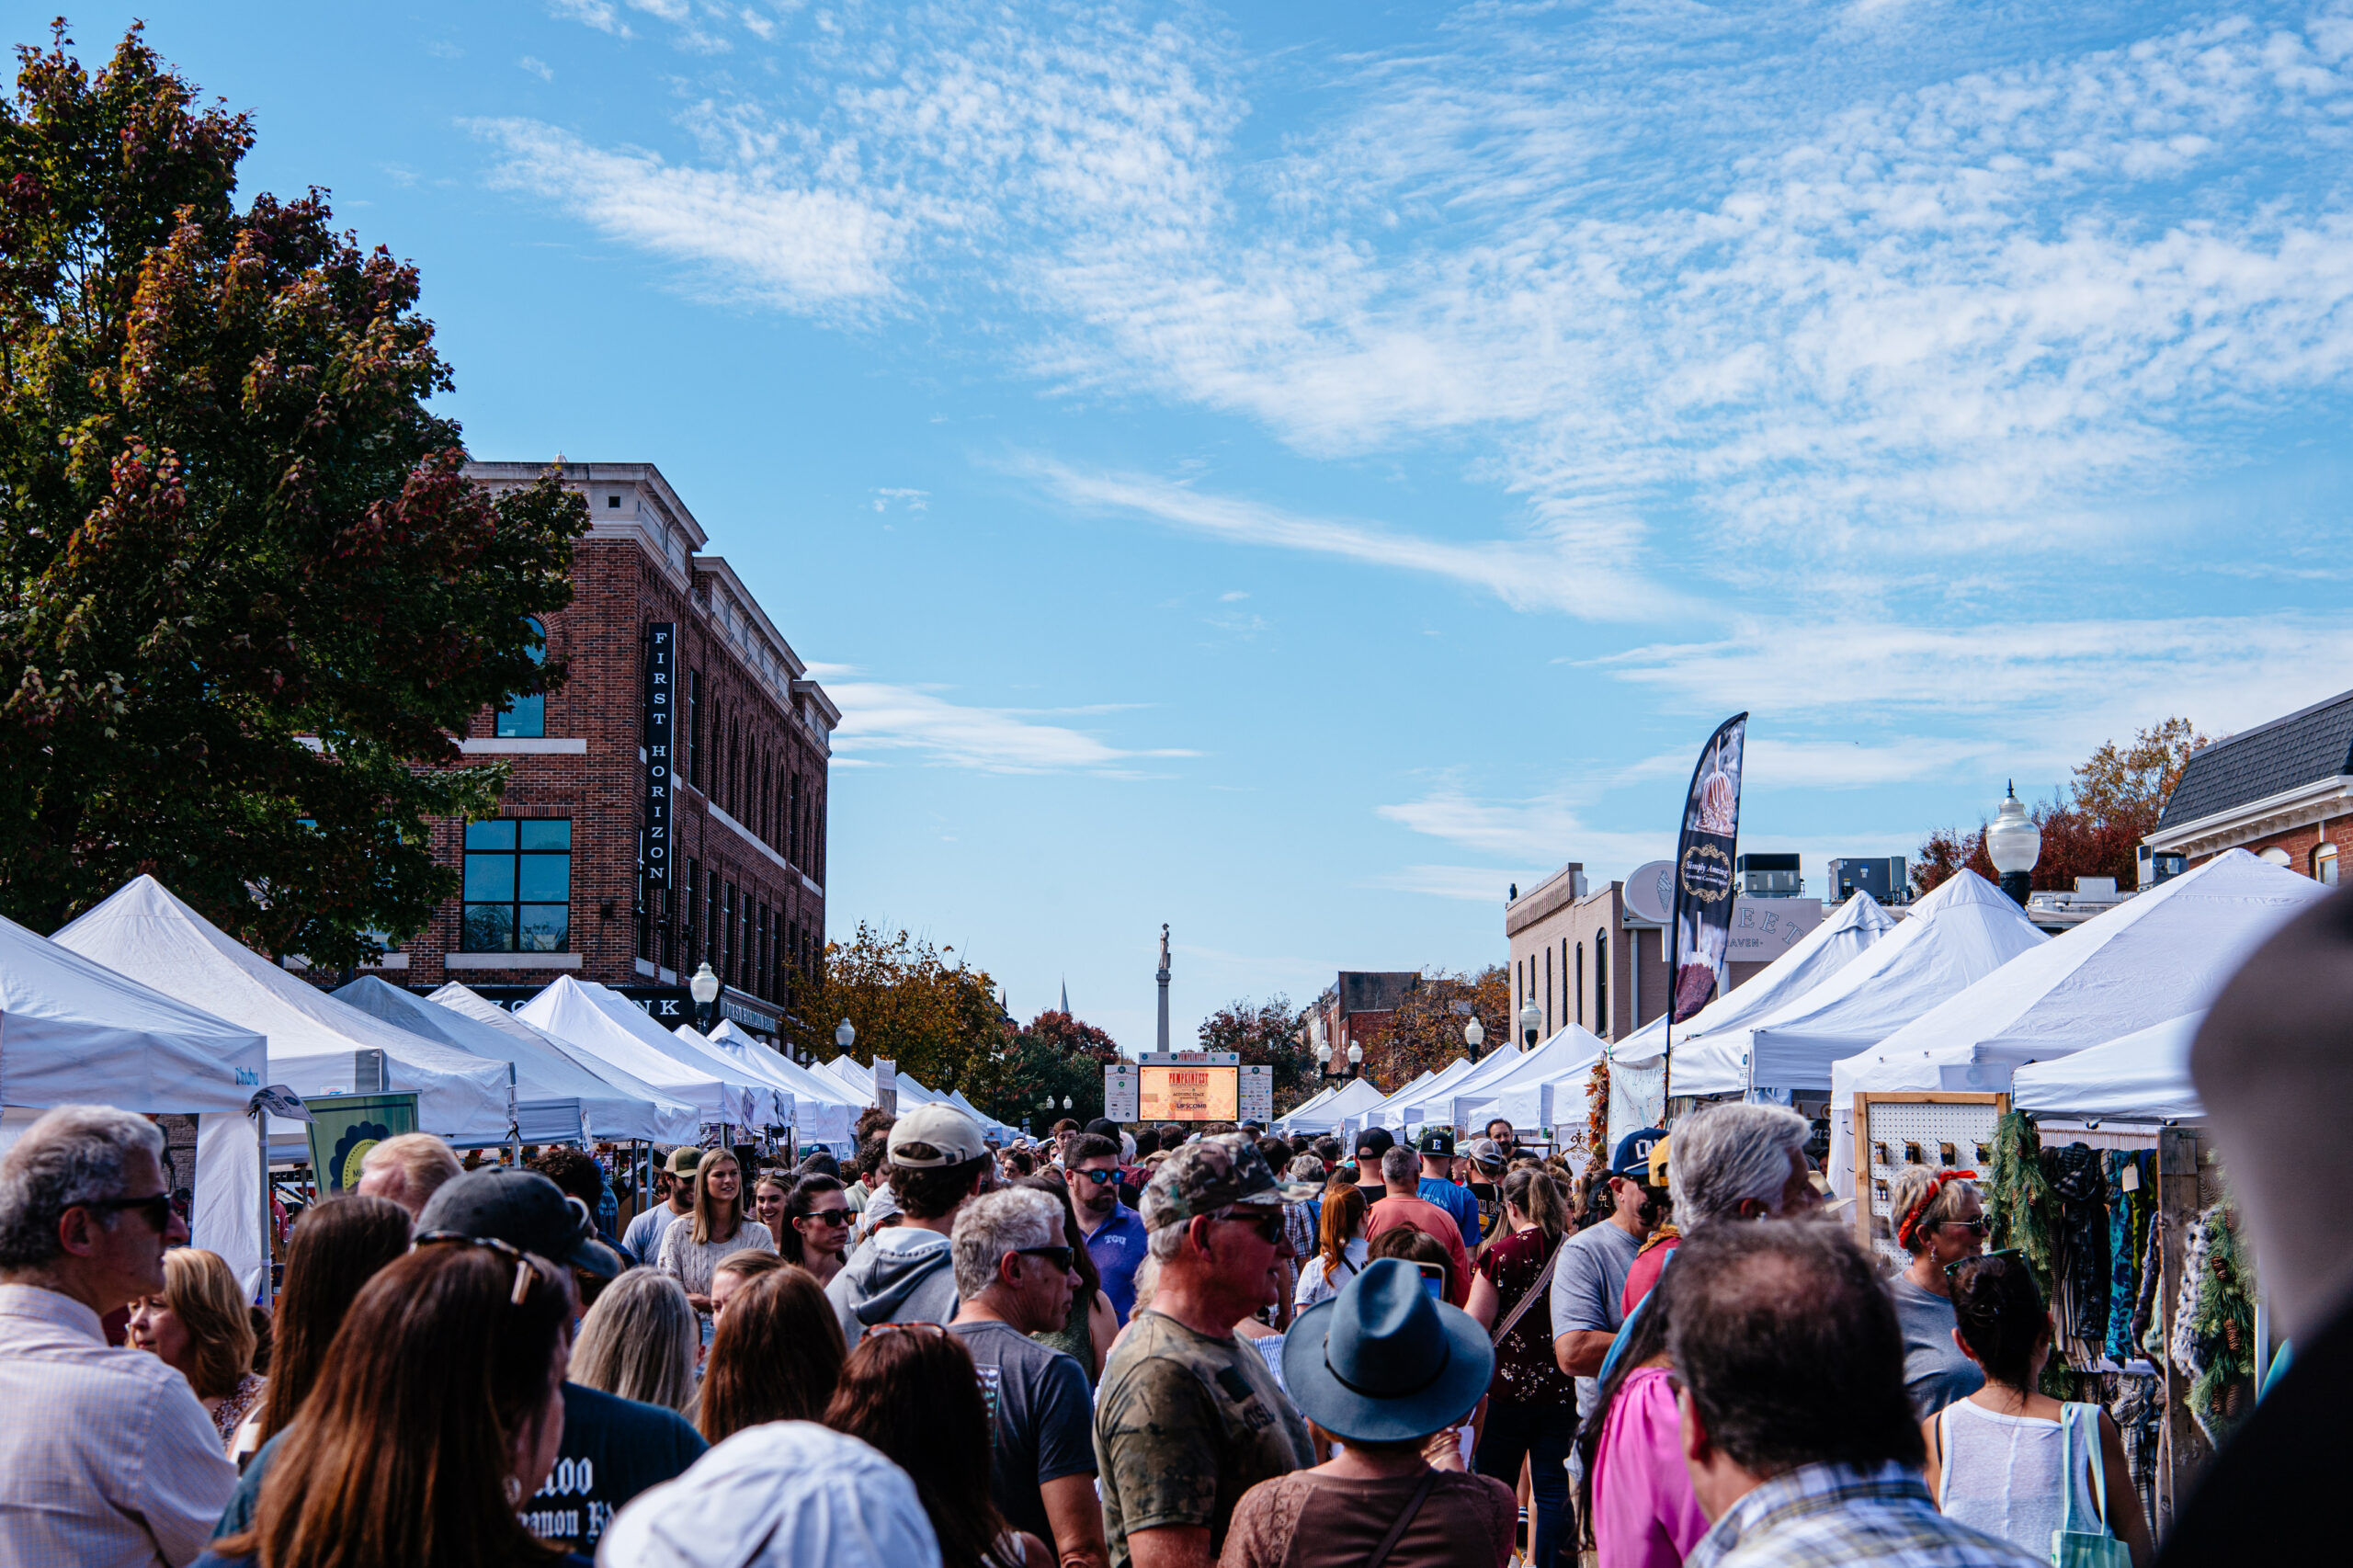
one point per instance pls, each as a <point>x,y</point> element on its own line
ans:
<point>1299,1226</point>
<point>1836,1516</point>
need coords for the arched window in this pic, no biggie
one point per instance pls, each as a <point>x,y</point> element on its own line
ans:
<point>2325,865</point>
<point>1580,973</point>
<point>1601,983</point>
<point>525,714</point>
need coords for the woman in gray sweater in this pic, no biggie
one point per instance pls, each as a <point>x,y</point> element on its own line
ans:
<point>692,1247</point>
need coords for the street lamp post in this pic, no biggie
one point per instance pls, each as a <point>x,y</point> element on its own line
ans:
<point>845,1035</point>
<point>1531,1025</point>
<point>1355,1058</point>
<point>2014,843</point>
<point>1324,1058</point>
<point>704,989</point>
<point>1473,1037</point>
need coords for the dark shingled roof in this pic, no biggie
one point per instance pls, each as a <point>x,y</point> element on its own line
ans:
<point>2303,749</point>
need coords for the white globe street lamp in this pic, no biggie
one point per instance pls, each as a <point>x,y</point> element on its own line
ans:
<point>704,989</point>
<point>1065,1102</point>
<point>1355,1058</point>
<point>1473,1037</point>
<point>845,1035</point>
<point>1531,1025</point>
<point>2014,843</point>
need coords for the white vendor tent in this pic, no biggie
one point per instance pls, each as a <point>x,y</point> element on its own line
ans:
<point>1821,953</point>
<point>1304,1108</point>
<point>314,1041</point>
<point>578,1016</point>
<point>820,1108</point>
<point>2144,1076</point>
<point>1414,1102</point>
<point>1958,935</point>
<point>1326,1113</point>
<point>2154,957</point>
<point>1525,1086</point>
<point>541,1072</point>
<point>678,1122</point>
<point>73,1032</point>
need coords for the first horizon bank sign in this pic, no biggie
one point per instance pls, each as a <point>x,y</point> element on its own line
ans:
<point>661,735</point>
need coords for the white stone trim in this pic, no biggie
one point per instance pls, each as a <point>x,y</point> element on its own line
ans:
<point>753,839</point>
<point>510,960</point>
<point>2299,807</point>
<point>538,746</point>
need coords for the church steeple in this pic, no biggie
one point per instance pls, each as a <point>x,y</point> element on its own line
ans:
<point>1066,996</point>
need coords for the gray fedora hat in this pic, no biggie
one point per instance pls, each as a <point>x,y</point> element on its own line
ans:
<point>1384,1361</point>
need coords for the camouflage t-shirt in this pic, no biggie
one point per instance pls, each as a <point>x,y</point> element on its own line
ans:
<point>1184,1425</point>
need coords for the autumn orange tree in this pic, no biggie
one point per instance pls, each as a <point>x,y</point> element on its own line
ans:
<point>1267,1034</point>
<point>1426,1031</point>
<point>2092,828</point>
<point>246,589</point>
<point>913,1003</point>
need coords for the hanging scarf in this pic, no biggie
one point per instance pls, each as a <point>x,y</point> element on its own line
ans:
<point>2128,1224</point>
<point>2079,1265</point>
<point>2183,1348</point>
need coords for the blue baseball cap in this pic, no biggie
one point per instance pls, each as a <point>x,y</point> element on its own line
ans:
<point>1633,1160</point>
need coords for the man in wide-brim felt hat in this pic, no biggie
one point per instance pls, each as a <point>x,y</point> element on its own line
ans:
<point>1381,1367</point>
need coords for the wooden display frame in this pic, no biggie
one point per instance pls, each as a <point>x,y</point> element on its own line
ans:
<point>1864,1213</point>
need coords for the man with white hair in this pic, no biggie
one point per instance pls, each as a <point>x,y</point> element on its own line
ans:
<point>1726,1161</point>
<point>408,1169</point>
<point>1014,1276</point>
<point>111,1461</point>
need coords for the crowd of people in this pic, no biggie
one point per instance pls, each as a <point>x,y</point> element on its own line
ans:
<point>1160,1349</point>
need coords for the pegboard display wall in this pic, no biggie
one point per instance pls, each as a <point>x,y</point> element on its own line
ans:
<point>1940,1131</point>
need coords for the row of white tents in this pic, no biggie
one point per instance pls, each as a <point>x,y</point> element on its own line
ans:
<point>144,1005</point>
<point>1963,993</point>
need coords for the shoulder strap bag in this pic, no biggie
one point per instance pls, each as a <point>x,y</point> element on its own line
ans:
<point>1542,1288</point>
<point>2072,1545</point>
<point>1397,1532</point>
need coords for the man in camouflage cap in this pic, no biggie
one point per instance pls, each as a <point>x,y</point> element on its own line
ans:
<point>1187,1417</point>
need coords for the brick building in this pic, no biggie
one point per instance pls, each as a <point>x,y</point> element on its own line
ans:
<point>557,884</point>
<point>2283,790</point>
<point>1358,1006</point>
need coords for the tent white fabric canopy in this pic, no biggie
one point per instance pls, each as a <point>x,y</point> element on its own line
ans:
<point>1352,1098</point>
<point>1963,931</point>
<point>541,1072</point>
<point>73,1032</point>
<point>818,1108</point>
<point>2144,1077</point>
<point>679,1123</point>
<point>2157,956</point>
<point>1515,1084</point>
<point>1304,1108</point>
<point>144,930</point>
<point>574,1015</point>
<point>1821,953</point>
<point>1411,1103</point>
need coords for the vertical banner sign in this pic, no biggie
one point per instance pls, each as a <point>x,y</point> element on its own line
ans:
<point>661,730</point>
<point>1703,883</point>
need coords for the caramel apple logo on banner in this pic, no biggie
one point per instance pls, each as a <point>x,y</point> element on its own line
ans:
<point>1703,884</point>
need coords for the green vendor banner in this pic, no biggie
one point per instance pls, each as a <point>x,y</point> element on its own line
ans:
<point>345,1127</point>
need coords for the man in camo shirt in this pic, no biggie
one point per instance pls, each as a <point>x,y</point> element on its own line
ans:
<point>1189,1417</point>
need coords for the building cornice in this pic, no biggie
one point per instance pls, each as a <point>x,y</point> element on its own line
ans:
<point>2299,807</point>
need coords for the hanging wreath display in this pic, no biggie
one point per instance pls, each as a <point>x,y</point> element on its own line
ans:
<point>1596,1118</point>
<point>2221,1327</point>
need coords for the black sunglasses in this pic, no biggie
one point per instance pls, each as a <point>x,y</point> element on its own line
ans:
<point>829,1216</point>
<point>1059,1256</point>
<point>157,1207</point>
<point>1101,1177</point>
<point>1268,1223</point>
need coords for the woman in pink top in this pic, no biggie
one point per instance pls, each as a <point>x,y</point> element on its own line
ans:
<point>1638,1501</point>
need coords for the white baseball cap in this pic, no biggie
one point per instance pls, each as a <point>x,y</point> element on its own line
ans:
<point>954,1137</point>
<point>784,1495</point>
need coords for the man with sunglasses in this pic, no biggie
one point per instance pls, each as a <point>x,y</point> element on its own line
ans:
<point>110,1459</point>
<point>1189,1417</point>
<point>1014,1273</point>
<point>1115,1233</point>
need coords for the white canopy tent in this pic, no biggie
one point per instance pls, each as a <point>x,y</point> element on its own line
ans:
<point>73,1032</point>
<point>679,1121</point>
<point>541,1072</point>
<point>1304,1108</point>
<point>1519,1085</point>
<point>1955,937</point>
<point>2144,1077</point>
<point>1821,953</point>
<point>1325,1114</point>
<point>575,1015</point>
<point>1410,1105</point>
<point>2155,957</point>
<point>819,1108</point>
<point>314,1041</point>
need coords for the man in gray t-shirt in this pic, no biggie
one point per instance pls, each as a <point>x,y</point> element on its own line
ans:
<point>1589,1283</point>
<point>1042,1421</point>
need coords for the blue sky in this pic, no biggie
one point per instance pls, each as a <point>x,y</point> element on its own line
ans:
<point>1291,470</point>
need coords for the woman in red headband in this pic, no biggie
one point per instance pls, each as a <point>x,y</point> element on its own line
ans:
<point>1940,1220</point>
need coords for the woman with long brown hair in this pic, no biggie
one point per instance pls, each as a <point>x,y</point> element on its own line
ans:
<point>718,1225</point>
<point>439,1409</point>
<point>911,1390</point>
<point>1087,1334</point>
<point>1340,1252</point>
<point>777,1356</point>
<point>338,1246</point>
<point>817,1219</point>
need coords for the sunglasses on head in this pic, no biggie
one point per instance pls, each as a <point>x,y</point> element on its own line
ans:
<point>2002,1258</point>
<point>526,1270</point>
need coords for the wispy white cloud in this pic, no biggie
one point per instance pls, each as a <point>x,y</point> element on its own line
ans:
<point>601,15</point>
<point>537,67</point>
<point>1546,831</point>
<point>747,231</point>
<point>879,718</point>
<point>913,500</point>
<point>1526,575</point>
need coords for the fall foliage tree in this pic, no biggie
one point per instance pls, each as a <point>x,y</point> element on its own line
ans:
<point>1267,1034</point>
<point>911,1003</point>
<point>1053,1057</point>
<point>1426,1031</point>
<point>246,595</point>
<point>2093,828</point>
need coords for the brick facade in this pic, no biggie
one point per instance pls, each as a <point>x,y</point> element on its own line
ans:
<point>749,799</point>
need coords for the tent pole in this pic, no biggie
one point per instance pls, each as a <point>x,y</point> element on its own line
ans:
<point>261,1137</point>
